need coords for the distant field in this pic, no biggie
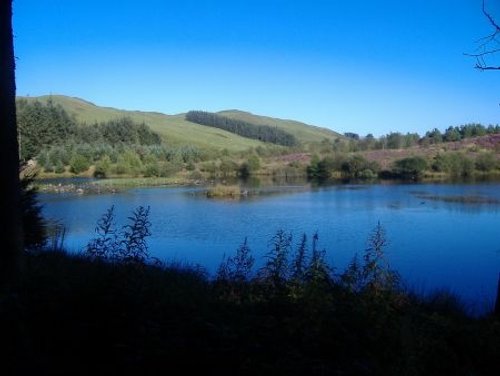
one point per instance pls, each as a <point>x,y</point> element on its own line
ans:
<point>177,131</point>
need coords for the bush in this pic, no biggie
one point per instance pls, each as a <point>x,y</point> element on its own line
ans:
<point>486,161</point>
<point>167,169</point>
<point>79,164</point>
<point>461,165</point>
<point>228,167</point>
<point>102,167</point>
<point>410,168</point>
<point>151,170</point>
<point>59,168</point>
<point>319,169</point>
<point>357,167</point>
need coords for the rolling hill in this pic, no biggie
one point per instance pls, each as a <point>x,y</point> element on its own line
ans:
<point>175,130</point>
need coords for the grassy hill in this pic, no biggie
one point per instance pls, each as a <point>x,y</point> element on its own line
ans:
<point>175,130</point>
<point>303,132</point>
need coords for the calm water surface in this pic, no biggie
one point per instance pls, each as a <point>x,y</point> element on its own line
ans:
<point>432,243</point>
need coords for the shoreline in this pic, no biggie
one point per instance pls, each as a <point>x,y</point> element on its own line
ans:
<point>115,185</point>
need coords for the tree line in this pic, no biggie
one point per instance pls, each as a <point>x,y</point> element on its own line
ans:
<point>453,164</point>
<point>57,141</point>
<point>265,133</point>
<point>41,126</point>
<point>397,140</point>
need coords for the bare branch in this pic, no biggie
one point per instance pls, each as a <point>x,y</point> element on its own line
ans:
<point>490,18</point>
<point>484,53</point>
<point>483,68</point>
<point>488,45</point>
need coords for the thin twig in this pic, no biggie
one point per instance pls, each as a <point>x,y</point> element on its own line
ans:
<point>490,18</point>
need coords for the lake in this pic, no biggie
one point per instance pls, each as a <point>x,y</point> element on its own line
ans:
<point>439,235</point>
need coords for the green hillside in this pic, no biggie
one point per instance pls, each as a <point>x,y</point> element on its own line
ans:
<point>175,130</point>
<point>304,132</point>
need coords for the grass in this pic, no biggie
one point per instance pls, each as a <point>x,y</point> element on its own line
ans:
<point>114,185</point>
<point>143,182</point>
<point>224,191</point>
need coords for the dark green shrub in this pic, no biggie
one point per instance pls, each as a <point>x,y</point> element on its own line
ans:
<point>357,167</point>
<point>59,168</point>
<point>79,164</point>
<point>410,168</point>
<point>460,165</point>
<point>486,161</point>
<point>152,170</point>
<point>102,167</point>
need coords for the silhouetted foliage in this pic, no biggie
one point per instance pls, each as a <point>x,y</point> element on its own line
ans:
<point>103,318</point>
<point>376,273</point>
<point>300,261</point>
<point>126,246</point>
<point>134,248</point>
<point>239,267</point>
<point>352,278</point>
<point>276,269</point>
<point>265,133</point>
<point>318,272</point>
<point>105,245</point>
<point>34,225</point>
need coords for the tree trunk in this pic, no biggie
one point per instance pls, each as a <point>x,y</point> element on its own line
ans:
<point>497,302</point>
<point>11,238</point>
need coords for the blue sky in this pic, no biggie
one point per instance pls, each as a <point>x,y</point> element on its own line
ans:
<point>353,66</point>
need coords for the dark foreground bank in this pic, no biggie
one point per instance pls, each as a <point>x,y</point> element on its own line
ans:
<point>73,315</point>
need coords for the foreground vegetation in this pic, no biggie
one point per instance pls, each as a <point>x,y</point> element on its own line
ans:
<point>113,309</point>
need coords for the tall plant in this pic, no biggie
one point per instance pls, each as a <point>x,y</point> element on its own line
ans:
<point>128,245</point>
<point>276,269</point>
<point>377,275</point>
